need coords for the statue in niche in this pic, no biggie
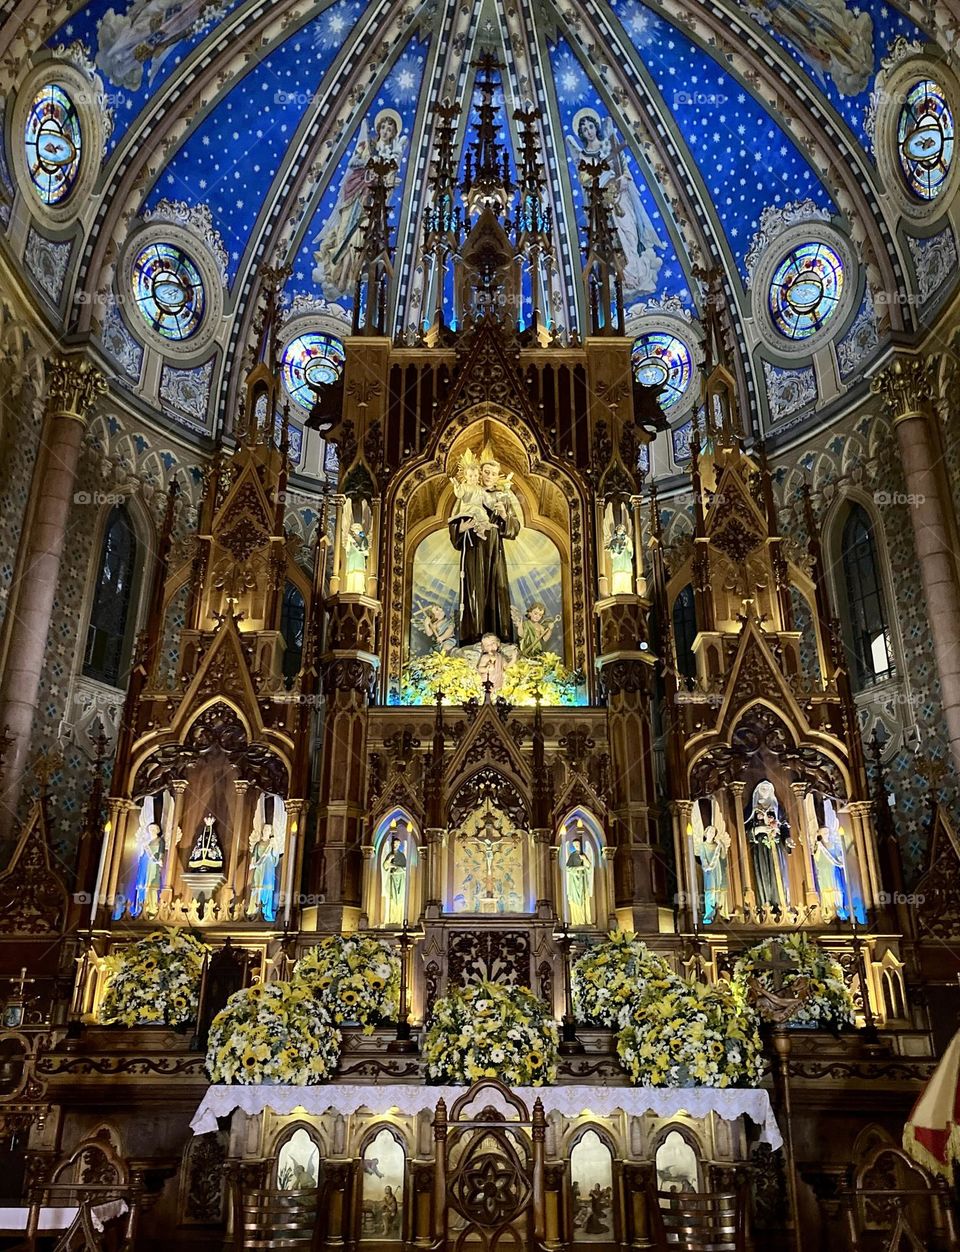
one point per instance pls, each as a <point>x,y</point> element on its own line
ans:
<point>484,514</point>
<point>578,881</point>
<point>206,856</point>
<point>769,837</point>
<point>489,870</point>
<point>356,547</point>
<point>267,840</point>
<point>711,847</point>
<point>619,548</point>
<point>393,877</point>
<point>826,843</point>
<point>534,629</point>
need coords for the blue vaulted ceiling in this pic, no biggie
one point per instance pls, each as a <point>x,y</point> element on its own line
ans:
<point>715,110</point>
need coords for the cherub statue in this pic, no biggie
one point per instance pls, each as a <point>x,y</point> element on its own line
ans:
<point>437,626</point>
<point>533,629</point>
<point>490,664</point>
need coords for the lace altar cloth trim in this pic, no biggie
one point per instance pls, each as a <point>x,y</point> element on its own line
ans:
<point>728,1103</point>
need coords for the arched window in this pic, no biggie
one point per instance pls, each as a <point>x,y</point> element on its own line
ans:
<point>382,1193</point>
<point>107,632</point>
<point>868,630</point>
<point>292,618</point>
<point>685,631</point>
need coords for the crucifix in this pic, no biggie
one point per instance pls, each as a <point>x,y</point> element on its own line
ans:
<point>14,1011</point>
<point>489,838</point>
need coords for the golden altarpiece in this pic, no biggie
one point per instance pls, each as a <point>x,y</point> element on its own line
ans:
<point>474,728</point>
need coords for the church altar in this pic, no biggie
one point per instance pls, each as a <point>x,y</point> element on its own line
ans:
<point>731,1103</point>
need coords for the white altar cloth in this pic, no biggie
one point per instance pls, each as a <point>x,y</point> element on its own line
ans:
<point>409,1099</point>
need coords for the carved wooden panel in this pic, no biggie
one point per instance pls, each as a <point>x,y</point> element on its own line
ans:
<point>501,956</point>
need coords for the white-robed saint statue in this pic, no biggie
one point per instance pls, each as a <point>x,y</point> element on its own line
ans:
<point>578,879</point>
<point>393,878</point>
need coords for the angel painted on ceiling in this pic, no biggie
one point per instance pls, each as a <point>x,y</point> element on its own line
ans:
<point>146,33</point>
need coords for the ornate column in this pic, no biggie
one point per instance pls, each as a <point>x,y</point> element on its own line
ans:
<point>906,388</point>
<point>73,388</point>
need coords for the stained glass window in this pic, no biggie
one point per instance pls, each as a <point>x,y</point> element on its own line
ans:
<point>169,291</point>
<point>925,137</point>
<point>53,143</point>
<point>310,361</point>
<point>868,629</point>
<point>685,631</point>
<point>662,360</point>
<point>109,615</point>
<point>805,289</point>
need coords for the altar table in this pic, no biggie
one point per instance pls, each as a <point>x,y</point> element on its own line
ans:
<point>729,1103</point>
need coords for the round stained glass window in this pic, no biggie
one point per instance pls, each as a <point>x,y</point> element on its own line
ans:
<point>310,361</point>
<point>53,143</point>
<point>925,137</point>
<point>662,360</point>
<point>805,289</point>
<point>169,291</point>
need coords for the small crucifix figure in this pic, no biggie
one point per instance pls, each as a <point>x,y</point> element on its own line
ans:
<point>490,838</point>
<point>14,1010</point>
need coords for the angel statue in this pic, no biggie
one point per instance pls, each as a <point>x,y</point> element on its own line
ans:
<point>768,834</point>
<point>711,847</point>
<point>826,843</point>
<point>356,546</point>
<point>437,626</point>
<point>337,256</point>
<point>267,840</point>
<point>595,140</point>
<point>533,629</point>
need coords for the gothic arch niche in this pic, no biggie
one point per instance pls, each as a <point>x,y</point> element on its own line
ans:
<point>488,853</point>
<point>207,828</point>
<point>382,1186</point>
<point>770,834</point>
<point>393,886</point>
<point>593,1213</point>
<point>582,885</point>
<point>677,1160</point>
<point>542,549</point>
<point>299,1158</point>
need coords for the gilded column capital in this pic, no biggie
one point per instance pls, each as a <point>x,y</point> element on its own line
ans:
<point>906,387</point>
<point>73,387</point>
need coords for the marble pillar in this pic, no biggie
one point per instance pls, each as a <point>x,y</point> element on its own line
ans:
<point>74,386</point>
<point>906,387</point>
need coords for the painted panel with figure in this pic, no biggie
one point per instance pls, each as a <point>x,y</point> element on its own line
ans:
<point>591,1181</point>
<point>381,1205</point>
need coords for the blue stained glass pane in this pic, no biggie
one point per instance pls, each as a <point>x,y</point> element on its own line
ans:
<point>168,291</point>
<point>54,144</point>
<point>662,360</point>
<point>925,137</point>
<point>310,361</point>
<point>805,289</point>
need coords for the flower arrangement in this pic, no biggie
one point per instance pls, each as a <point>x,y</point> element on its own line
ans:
<point>690,1034</point>
<point>612,975</point>
<point>155,981</point>
<point>272,1032</point>
<point>546,674</point>
<point>490,1031</point>
<point>355,979</point>
<point>453,675</point>
<point>826,1000</point>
